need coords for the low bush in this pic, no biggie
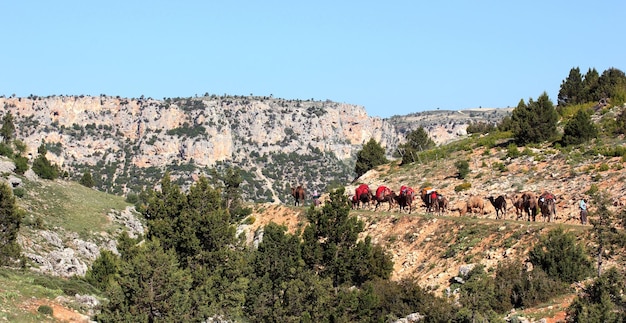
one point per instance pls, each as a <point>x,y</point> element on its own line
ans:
<point>70,287</point>
<point>45,309</point>
<point>560,256</point>
<point>463,187</point>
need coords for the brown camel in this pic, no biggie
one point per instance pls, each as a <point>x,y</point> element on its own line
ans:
<point>499,204</point>
<point>547,205</point>
<point>529,203</point>
<point>475,203</point>
<point>298,195</point>
<point>518,204</point>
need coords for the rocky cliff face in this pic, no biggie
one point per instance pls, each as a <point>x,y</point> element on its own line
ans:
<point>128,144</point>
<point>209,129</point>
<point>133,138</point>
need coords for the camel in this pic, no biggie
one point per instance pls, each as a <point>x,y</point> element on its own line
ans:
<point>547,205</point>
<point>474,203</point>
<point>518,204</point>
<point>355,202</point>
<point>298,195</point>
<point>384,194</point>
<point>529,203</point>
<point>499,204</point>
<point>366,198</point>
<point>441,205</point>
<point>405,199</point>
<point>429,197</point>
<point>362,195</point>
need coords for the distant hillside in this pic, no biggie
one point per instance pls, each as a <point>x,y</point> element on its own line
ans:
<point>446,125</point>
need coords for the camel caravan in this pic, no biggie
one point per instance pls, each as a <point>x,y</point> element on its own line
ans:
<point>522,206</point>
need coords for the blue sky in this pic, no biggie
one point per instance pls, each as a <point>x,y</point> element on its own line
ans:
<point>392,57</point>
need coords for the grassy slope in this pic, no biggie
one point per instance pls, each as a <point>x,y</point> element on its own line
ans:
<point>62,206</point>
<point>70,206</point>
<point>18,293</point>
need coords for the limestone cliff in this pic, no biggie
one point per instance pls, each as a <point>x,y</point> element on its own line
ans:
<point>128,144</point>
<point>130,136</point>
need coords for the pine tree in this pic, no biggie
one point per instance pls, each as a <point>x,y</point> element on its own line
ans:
<point>150,288</point>
<point>87,180</point>
<point>579,129</point>
<point>43,167</point>
<point>602,301</point>
<point>369,157</point>
<point>8,128</point>
<point>534,122</point>
<point>590,86</point>
<point>103,270</point>
<point>612,85</point>
<point>416,141</point>
<point>330,244</point>
<point>462,167</point>
<point>232,198</point>
<point>198,228</point>
<point>10,219</point>
<point>609,237</point>
<point>571,91</point>
<point>281,288</point>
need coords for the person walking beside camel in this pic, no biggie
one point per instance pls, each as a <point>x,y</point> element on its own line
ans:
<point>582,205</point>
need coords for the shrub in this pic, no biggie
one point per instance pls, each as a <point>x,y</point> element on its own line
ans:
<point>463,187</point>
<point>500,167</point>
<point>6,150</point>
<point>592,190</point>
<point>44,169</point>
<point>480,127</point>
<point>132,198</point>
<point>21,164</point>
<point>512,151</point>
<point>19,192</point>
<point>38,222</point>
<point>70,287</point>
<point>560,256</point>
<point>45,309</point>
<point>462,167</point>
<point>87,180</point>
